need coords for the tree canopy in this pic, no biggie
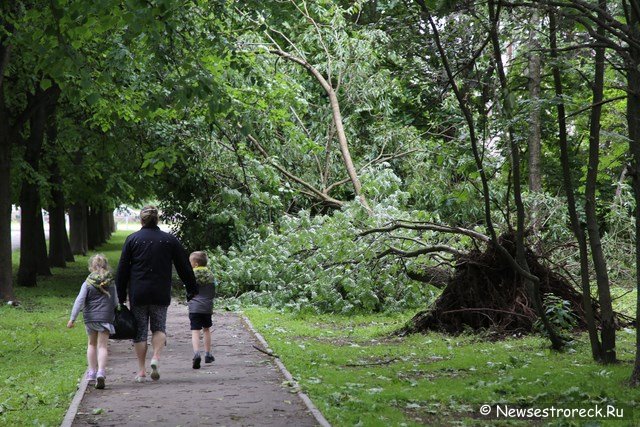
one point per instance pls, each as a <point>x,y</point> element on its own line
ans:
<point>338,156</point>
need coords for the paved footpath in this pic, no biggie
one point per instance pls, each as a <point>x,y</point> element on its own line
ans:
<point>243,387</point>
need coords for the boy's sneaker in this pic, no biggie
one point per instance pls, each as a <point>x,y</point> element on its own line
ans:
<point>100,379</point>
<point>208,358</point>
<point>196,361</point>
<point>91,375</point>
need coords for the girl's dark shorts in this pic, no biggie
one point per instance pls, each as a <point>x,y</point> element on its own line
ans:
<point>200,320</point>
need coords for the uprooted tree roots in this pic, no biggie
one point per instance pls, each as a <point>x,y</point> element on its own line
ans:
<point>486,293</point>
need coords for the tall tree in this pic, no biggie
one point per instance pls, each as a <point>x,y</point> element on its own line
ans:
<point>633,123</point>
<point>596,346</point>
<point>33,250</point>
<point>599,261</point>
<point>532,282</point>
<point>535,133</point>
<point>6,265</point>
<point>59,248</point>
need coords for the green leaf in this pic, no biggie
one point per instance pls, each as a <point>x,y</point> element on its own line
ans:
<point>93,98</point>
<point>45,84</point>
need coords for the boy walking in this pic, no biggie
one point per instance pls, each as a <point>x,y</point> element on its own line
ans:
<point>201,307</point>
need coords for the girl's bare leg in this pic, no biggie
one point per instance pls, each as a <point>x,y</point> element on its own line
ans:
<point>92,354</point>
<point>103,352</point>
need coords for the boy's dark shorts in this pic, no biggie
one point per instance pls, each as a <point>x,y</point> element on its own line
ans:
<point>200,320</point>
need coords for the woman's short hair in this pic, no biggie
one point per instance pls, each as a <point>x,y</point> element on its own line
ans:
<point>149,216</point>
<point>199,257</point>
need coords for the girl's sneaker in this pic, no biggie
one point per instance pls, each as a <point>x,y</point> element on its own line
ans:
<point>100,379</point>
<point>91,375</point>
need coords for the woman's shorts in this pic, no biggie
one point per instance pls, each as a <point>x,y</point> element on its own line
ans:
<point>200,320</point>
<point>149,316</point>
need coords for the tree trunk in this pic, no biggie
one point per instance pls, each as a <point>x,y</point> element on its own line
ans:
<point>607,323</point>
<point>112,222</point>
<point>28,269</point>
<point>337,122</point>
<point>535,138</point>
<point>535,80</point>
<point>596,347</point>
<point>532,283</point>
<point>633,123</point>
<point>57,223</point>
<point>78,229</point>
<point>103,225</point>
<point>6,265</point>
<point>32,240</point>
<point>107,215</point>
<point>68,253</point>
<point>42,260</point>
<point>93,229</point>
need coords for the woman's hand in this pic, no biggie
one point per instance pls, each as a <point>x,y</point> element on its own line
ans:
<point>70,324</point>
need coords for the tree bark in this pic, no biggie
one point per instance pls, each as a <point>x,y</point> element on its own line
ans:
<point>633,123</point>
<point>112,222</point>
<point>68,253</point>
<point>103,225</point>
<point>535,136</point>
<point>5,53</point>
<point>56,208</point>
<point>93,229</point>
<point>57,223</point>
<point>6,265</point>
<point>535,81</point>
<point>32,240</point>
<point>607,322</point>
<point>42,259</point>
<point>596,347</point>
<point>78,229</point>
<point>107,216</point>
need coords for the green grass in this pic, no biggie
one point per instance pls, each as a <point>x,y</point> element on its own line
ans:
<point>357,374</point>
<point>41,361</point>
<point>350,366</point>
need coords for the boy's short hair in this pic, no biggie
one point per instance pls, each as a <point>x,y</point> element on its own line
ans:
<point>199,257</point>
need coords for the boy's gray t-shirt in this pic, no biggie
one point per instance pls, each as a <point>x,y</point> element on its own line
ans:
<point>203,302</point>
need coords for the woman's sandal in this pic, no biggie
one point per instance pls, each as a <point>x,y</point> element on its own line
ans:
<point>141,378</point>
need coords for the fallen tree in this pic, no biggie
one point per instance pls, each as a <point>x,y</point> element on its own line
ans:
<point>485,292</point>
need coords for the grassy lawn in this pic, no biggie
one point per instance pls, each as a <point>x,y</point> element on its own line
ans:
<point>357,374</point>
<point>41,361</point>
